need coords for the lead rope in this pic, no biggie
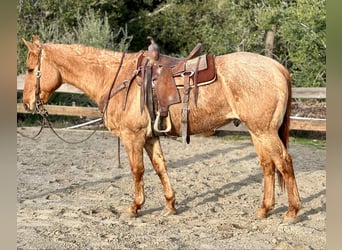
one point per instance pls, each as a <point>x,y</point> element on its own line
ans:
<point>106,106</point>
<point>36,135</point>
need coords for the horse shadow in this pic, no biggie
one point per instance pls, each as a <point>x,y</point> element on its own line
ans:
<point>180,163</point>
<point>213,195</point>
<point>176,164</point>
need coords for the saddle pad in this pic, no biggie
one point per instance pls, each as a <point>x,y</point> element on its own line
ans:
<point>191,65</point>
<point>205,75</point>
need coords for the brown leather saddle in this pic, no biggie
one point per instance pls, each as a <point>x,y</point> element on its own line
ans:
<point>159,89</point>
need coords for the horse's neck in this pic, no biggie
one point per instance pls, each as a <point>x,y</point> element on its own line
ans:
<point>88,69</point>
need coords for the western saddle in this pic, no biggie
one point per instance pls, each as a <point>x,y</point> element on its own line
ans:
<point>159,89</point>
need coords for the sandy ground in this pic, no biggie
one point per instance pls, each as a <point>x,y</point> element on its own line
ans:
<point>71,196</point>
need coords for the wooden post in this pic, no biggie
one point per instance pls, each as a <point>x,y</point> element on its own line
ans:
<point>269,41</point>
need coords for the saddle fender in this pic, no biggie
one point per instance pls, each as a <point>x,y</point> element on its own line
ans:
<point>166,90</point>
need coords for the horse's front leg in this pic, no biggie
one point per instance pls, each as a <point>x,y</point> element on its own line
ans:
<point>134,149</point>
<point>155,153</point>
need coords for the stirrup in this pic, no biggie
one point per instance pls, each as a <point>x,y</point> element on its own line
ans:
<point>156,123</point>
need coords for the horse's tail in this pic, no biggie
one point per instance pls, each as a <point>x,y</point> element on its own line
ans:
<point>284,130</point>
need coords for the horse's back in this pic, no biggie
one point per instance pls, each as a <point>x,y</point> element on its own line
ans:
<point>253,72</point>
<point>251,64</point>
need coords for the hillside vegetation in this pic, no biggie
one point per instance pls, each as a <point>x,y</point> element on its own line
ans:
<point>222,26</point>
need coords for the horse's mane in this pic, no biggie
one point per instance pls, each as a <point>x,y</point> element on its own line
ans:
<point>87,54</point>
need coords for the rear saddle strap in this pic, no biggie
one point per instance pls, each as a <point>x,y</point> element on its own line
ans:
<point>185,110</point>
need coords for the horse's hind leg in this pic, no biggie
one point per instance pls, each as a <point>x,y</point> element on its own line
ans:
<point>283,162</point>
<point>154,151</point>
<point>273,146</point>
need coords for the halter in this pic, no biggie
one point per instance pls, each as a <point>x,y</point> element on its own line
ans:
<point>39,107</point>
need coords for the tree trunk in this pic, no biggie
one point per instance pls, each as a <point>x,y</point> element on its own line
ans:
<point>269,41</point>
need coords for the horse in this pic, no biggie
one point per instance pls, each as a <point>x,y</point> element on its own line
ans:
<point>252,88</point>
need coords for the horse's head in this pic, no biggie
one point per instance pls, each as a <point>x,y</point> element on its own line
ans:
<point>41,78</point>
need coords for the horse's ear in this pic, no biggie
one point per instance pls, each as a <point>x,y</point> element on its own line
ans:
<point>33,47</point>
<point>36,41</point>
<point>29,45</point>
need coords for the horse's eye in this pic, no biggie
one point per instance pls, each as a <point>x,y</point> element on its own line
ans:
<point>29,70</point>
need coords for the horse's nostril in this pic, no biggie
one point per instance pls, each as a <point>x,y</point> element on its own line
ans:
<point>27,107</point>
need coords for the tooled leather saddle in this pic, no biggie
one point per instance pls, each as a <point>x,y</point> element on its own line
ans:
<point>159,89</point>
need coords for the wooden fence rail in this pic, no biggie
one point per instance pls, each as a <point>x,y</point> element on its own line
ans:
<point>297,123</point>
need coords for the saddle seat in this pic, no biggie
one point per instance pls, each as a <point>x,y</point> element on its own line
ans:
<point>205,69</point>
<point>170,61</point>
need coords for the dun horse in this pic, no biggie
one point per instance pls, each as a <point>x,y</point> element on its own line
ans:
<point>249,87</point>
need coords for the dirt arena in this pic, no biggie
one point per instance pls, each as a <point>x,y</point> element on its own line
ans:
<point>71,196</point>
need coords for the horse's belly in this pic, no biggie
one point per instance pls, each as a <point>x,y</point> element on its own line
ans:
<point>200,120</point>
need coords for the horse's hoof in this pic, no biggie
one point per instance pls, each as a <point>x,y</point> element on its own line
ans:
<point>291,217</point>
<point>128,214</point>
<point>261,213</point>
<point>168,212</point>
